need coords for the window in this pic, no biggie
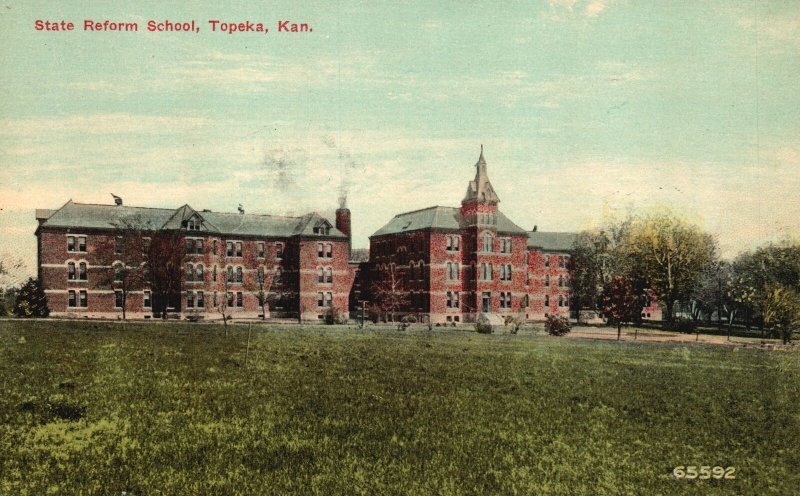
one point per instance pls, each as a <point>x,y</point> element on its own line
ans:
<point>72,301</point>
<point>508,300</point>
<point>505,299</point>
<point>83,298</point>
<point>214,247</point>
<point>329,299</point>
<point>118,273</point>
<point>328,250</point>
<point>320,300</point>
<point>146,245</point>
<point>276,279</point>
<point>486,271</point>
<point>546,301</point>
<point>561,301</point>
<point>189,300</point>
<point>505,272</point>
<point>455,299</point>
<point>238,248</point>
<point>239,274</point>
<point>198,271</point>
<point>198,246</point>
<point>260,275</point>
<point>118,245</point>
<point>76,243</point>
<point>190,273</point>
<point>189,245</point>
<point>452,271</point>
<point>488,245</point>
<point>456,243</point>
<point>279,250</point>
<point>505,245</point>
<point>214,299</point>
<point>547,260</point>
<point>320,250</point>
<point>560,281</point>
<point>329,275</point>
<point>229,248</point>
<point>449,243</point>
<point>320,275</point>
<point>562,261</point>
<point>239,299</point>
<point>82,271</point>
<point>229,275</point>
<point>193,224</point>
<point>230,299</point>
<point>547,281</point>
<point>71,274</point>
<point>260,247</point>
<point>214,273</point>
<point>452,299</point>
<point>201,303</point>
<point>525,301</point>
<point>146,300</point>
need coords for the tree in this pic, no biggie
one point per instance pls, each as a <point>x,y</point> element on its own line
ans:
<point>389,291</point>
<point>589,269</point>
<point>780,307</point>
<point>621,303</point>
<point>127,255</point>
<point>31,300</point>
<point>667,253</point>
<point>164,269</point>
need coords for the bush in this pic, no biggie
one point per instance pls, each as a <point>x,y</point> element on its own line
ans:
<point>513,323</point>
<point>31,300</point>
<point>335,316</point>
<point>556,325</point>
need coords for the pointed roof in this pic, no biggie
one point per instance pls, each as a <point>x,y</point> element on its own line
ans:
<point>481,189</point>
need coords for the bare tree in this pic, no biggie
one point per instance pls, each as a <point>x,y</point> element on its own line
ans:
<point>389,291</point>
<point>164,269</point>
<point>126,252</point>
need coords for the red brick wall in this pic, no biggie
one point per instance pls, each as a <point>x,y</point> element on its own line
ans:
<point>536,284</point>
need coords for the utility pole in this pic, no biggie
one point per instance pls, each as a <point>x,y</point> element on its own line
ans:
<point>363,311</point>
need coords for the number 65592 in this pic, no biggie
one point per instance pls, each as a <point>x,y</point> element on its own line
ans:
<point>703,472</point>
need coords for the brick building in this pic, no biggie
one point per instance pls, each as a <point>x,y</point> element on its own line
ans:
<point>243,264</point>
<point>439,264</point>
<point>456,262</point>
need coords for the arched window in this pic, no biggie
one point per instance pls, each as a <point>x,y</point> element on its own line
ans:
<point>198,271</point>
<point>118,272</point>
<point>239,274</point>
<point>560,281</point>
<point>320,275</point>
<point>261,275</point>
<point>71,274</point>
<point>230,274</point>
<point>449,270</point>
<point>82,271</point>
<point>329,275</point>
<point>189,273</point>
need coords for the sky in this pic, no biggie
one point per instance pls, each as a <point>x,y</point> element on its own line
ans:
<point>587,110</point>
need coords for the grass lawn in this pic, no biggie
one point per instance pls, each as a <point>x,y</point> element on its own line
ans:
<point>102,408</point>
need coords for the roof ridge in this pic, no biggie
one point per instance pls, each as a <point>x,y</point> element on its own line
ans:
<point>423,209</point>
<point>116,206</point>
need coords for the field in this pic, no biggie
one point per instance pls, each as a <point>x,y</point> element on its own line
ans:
<point>107,408</point>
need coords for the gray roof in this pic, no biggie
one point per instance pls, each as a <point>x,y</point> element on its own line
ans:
<point>91,216</point>
<point>443,218</point>
<point>552,241</point>
<point>358,255</point>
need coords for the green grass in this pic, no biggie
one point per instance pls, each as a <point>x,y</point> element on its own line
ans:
<point>93,408</point>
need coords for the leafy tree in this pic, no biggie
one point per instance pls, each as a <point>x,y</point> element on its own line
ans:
<point>667,253</point>
<point>31,300</point>
<point>589,269</point>
<point>621,303</point>
<point>780,307</point>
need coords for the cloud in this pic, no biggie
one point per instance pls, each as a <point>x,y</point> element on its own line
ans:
<point>587,8</point>
<point>98,124</point>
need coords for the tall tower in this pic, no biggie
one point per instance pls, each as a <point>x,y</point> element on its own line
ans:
<point>479,230</point>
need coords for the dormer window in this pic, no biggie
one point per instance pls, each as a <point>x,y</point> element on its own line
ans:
<point>323,228</point>
<point>192,224</point>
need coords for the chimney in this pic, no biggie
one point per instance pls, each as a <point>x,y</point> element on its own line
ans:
<point>343,224</point>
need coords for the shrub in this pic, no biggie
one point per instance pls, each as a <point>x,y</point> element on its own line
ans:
<point>513,323</point>
<point>556,325</point>
<point>335,316</point>
<point>31,300</point>
<point>680,325</point>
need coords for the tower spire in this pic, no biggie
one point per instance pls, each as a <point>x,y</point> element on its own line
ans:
<point>481,189</point>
